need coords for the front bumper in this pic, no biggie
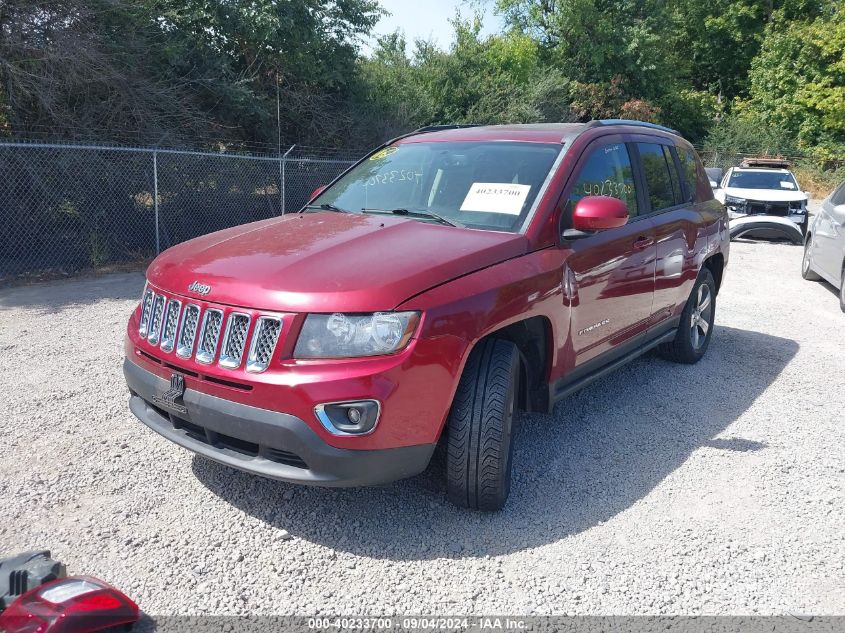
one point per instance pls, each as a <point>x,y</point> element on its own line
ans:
<point>262,442</point>
<point>766,226</point>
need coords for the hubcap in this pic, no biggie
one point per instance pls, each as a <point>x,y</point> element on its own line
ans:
<point>806,262</point>
<point>701,314</point>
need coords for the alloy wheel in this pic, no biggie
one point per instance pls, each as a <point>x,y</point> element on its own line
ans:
<point>700,318</point>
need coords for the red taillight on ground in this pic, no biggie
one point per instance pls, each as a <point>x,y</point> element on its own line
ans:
<point>79,604</point>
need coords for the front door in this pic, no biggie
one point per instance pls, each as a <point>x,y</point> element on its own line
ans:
<point>612,271</point>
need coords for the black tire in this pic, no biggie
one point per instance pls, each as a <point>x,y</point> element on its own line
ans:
<point>478,461</point>
<point>842,291</point>
<point>806,269</point>
<point>696,327</point>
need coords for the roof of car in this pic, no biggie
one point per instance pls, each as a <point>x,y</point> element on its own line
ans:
<point>767,170</point>
<point>533,132</point>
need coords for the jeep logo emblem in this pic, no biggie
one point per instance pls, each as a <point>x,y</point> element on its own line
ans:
<point>200,289</point>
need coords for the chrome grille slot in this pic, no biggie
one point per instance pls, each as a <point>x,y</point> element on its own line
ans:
<point>171,320</point>
<point>263,343</point>
<point>146,306</point>
<point>188,331</point>
<point>155,320</point>
<point>234,340</point>
<point>212,323</point>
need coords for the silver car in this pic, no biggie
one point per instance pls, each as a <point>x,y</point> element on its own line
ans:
<point>824,249</point>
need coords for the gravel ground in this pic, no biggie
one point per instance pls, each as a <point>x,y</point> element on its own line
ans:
<point>713,489</point>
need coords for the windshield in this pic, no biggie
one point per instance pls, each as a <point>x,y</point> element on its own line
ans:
<point>763,180</point>
<point>485,185</point>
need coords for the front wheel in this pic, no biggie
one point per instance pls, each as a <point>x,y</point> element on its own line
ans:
<point>696,327</point>
<point>807,271</point>
<point>842,291</point>
<point>478,462</point>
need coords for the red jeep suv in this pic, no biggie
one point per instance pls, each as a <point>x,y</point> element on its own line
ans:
<point>450,277</point>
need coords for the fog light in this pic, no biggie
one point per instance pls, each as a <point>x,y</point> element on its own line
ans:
<point>349,418</point>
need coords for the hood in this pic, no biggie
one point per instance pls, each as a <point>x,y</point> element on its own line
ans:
<point>328,262</point>
<point>764,195</point>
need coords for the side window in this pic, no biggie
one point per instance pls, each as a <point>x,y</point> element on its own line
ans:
<point>697,181</point>
<point>607,172</point>
<point>838,196</point>
<point>657,171</point>
<point>673,174</point>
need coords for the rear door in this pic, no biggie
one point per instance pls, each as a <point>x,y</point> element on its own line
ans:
<point>829,236</point>
<point>612,271</point>
<point>671,206</point>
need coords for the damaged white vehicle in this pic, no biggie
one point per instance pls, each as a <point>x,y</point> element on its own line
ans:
<point>764,201</point>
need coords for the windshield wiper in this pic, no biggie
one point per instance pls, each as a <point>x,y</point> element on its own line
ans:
<point>326,207</point>
<point>416,214</point>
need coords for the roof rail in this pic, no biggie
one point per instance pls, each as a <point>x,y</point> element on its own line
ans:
<point>770,162</point>
<point>449,126</point>
<point>653,126</point>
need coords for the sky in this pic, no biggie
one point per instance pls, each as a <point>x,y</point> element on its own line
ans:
<point>429,19</point>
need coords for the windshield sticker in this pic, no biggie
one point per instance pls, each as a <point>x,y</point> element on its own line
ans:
<point>787,185</point>
<point>387,151</point>
<point>496,197</point>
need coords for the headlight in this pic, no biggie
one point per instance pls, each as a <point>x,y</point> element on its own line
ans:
<point>730,201</point>
<point>349,335</point>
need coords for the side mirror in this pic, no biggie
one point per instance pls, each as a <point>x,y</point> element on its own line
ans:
<point>599,213</point>
<point>317,192</point>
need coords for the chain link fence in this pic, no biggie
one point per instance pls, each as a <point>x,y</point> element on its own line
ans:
<point>66,208</point>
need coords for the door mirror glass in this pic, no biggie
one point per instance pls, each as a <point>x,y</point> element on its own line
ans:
<point>599,213</point>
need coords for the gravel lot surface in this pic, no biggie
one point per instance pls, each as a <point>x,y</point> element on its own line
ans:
<point>712,489</point>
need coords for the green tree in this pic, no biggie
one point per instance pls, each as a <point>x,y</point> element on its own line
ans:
<point>798,82</point>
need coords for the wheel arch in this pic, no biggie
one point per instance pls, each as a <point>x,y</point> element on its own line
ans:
<point>533,340</point>
<point>716,265</point>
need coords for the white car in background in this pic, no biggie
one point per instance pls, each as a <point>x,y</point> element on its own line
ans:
<point>764,201</point>
<point>824,251</point>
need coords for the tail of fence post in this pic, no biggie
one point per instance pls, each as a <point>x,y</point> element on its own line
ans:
<point>283,161</point>
<point>155,198</point>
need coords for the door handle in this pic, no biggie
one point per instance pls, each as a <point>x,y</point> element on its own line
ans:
<point>642,242</point>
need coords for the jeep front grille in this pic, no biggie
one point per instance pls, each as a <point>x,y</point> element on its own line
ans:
<point>155,320</point>
<point>171,320</point>
<point>146,306</point>
<point>207,333</point>
<point>212,322</point>
<point>188,331</point>
<point>264,341</point>
<point>234,340</point>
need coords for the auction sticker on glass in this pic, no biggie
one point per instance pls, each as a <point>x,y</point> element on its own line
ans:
<point>496,197</point>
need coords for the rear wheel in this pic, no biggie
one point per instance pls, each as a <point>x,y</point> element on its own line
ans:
<point>478,463</point>
<point>696,327</point>
<point>806,264</point>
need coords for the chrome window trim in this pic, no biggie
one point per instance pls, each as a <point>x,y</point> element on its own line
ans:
<point>201,356</point>
<point>146,308</point>
<point>154,335</point>
<point>230,362</point>
<point>181,350</point>
<point>164,318</point>
<point>251,365</point>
